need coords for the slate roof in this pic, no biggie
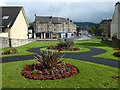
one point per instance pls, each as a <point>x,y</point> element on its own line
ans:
<point>54,20</point>
<point>12,12</point>
<point>106,20</point>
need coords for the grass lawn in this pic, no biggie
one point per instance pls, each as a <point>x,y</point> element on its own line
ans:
<point>23,49</point>
<point>83,44</point>
<point>100,45</point>
<point>91,76</point>
<point>82,49</point>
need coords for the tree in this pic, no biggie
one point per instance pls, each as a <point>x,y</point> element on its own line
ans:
<point>31,25</point>
<point>92,29</point>
<point>99,32</point>
<point>96,30</point>
<point>78,29</point>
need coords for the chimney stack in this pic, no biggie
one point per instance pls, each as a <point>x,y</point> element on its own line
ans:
<point>117,3</point>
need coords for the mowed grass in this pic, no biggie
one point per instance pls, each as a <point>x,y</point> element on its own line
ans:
<point>83,44</point>
<point>100,45</point>
<point>22,50</point>
<point>91,76</point>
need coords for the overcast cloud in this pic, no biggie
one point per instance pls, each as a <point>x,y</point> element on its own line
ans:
<point>77,11</point>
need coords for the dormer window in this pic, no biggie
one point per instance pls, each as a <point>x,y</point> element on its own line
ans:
<point>5,17</point>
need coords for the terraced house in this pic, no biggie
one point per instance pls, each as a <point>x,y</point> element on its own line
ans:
<point>54,27</point>
<point>105,25</point>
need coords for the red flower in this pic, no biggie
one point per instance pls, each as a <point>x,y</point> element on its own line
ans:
<point>26,68</point>
<point>53,77</point>
<point>30,76</point>
<point>56,70</point>
<point>59,76</point>
<point>47,77</point>
<point>69,75</point>
<point>74,72</point>
<point>35,77</point>
<point>74,69</point>
<point>52,73</point>
<point>41,77</point>
<point>26,73</point>
<point>64,75</point>
<point>61,71</point>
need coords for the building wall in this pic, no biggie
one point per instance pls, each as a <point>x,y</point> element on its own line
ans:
<point>105,25</point>
<point>14,42</point>
<point>3,34</point>
<point>119,24</point>
<point>19,30</point>
<point>115,24</point>
<point>114,29</point>
<point>56,29</point>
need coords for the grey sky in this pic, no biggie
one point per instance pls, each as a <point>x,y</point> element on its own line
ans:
<point>77,11</point>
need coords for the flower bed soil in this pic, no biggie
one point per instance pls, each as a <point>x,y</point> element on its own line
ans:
<point>39,72</point>
<point>116,54</point>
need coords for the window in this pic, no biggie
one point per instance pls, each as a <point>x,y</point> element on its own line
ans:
<point>41,29</point>
<point>5,17</point>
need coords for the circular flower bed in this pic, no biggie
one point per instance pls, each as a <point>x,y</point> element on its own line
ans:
<point>116,54</point>
<point>39,72</point>
<point>72,48</point>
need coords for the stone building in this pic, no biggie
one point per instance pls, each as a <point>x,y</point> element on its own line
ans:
<point>115,24</point>
<point>105,25</point>
<point>48,27</point>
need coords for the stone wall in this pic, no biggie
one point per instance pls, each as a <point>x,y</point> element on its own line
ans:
<point>14,42</point>
<point>4,42</point>
<point>115,42</point>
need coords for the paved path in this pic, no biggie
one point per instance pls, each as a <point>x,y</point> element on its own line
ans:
<point>86,56</point>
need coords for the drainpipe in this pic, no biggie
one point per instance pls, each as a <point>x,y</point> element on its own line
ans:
<point>9,37</point>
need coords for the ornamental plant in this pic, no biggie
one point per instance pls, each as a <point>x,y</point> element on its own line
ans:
<point>48,67</point>
<point>64,45</point>
<point>48,59</point>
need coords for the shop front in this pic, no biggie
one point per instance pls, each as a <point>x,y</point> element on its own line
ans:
<point>44,35</point>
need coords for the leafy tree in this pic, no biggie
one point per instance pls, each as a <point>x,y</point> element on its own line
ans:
<point>31,25</point>
<point>98,32</point>
<point>78,29</point>
<point>92,29</point>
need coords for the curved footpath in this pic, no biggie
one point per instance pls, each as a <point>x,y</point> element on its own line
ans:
<point>86,56</point>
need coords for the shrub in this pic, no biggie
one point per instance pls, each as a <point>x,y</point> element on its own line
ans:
<point>116,54</point>
<point>48,68</point>
<point>48,59</point>
<point>11,51</point>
